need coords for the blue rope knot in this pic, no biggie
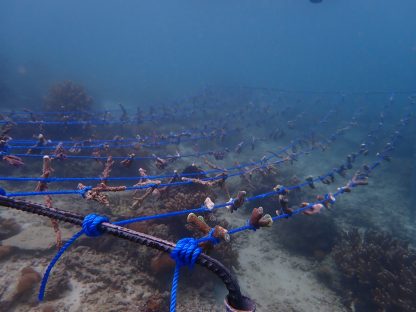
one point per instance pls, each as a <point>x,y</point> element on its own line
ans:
<point>210,237</point>
<point>186,252</point>
<point>84,190</point>
<point>281,190</point>
<point>3,192</point>
<point>91,223</point>
<point>329,198</point>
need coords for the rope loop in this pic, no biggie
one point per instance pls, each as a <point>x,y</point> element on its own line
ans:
<point>91,223</point>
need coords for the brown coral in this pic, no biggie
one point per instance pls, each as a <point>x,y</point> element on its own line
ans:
<point>27,281</point>
<point>379,269</point>
<point>5,251</point>
<point>258,219</point>
<point>13,160</point>
<point>162,263</point>
<point>67,96</point>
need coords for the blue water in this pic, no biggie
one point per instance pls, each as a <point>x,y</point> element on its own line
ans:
<point>141,51</point>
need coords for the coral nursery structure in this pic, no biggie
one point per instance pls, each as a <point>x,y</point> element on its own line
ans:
<point>184,183</point>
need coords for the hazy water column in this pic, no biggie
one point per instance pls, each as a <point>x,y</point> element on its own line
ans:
<point>138,51</point>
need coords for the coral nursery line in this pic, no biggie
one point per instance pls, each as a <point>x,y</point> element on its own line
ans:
<point>316,134</point>
<point>187,251</point>
<point>293,145</point>
<point>224,174</point>
<point>325,178</point>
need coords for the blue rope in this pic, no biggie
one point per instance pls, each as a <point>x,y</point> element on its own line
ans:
<point>103,141</point>
<point>187,250</point>
<point>90,227</point>
<point>117,157</point>
<point>86,147</point>
<point>197,210</point>
<point>262,162</point>
<point>182,212</point>
<point>185,253</point>
<point>327,197</point>
<point>131,188</point>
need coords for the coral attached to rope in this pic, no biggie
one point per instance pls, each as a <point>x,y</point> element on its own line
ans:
<point>188,250</point>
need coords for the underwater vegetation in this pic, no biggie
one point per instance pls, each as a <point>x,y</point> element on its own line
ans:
<point>378,269</point>
<point>67,96</point>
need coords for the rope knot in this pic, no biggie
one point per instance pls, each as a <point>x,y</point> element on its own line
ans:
<point>210,237</point>
<point>91,223</point>
<point>280,190</point>
<point>186,252</point>
<point>84,190</point>
<point>329,198</point>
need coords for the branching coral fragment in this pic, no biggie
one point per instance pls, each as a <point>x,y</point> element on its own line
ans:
<point>108,166</point>
<point>199,223</point>
<point>96,193</point>
<point>150,185</point>
<point>13,160</point>
<point>42,186</point>
<point>128,161</point>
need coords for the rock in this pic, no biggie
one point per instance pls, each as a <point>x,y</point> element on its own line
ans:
<point>48,308</point>
<point>154,304</point>
<point>5,251</point>
<point>8,228</point>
